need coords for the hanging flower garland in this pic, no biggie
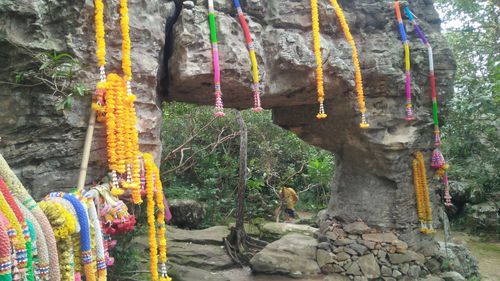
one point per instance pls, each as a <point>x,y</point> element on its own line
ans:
<point>31,251</point>
<point>150,213</point>
<point>64,224</point>
<point>5,250</point>
<point>219,107</point>
<point>253,58</point>
<point>98,236</point>
<point>422,193</point>
<point>406,43</point>
<point>19,192</point>
<point>42,263</point>
<point>160,221</point>
<point>319,61</point>
<point>85,246</point>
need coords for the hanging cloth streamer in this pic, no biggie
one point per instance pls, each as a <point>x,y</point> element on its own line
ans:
<point>432,79</point>
<point>406,43</point>
<point>219,107</point>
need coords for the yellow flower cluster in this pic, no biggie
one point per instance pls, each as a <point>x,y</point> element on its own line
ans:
<point>357,68</point>
<point>160,219</point>
<point>150,212</point>
<point>422,193</point>
<point>64,225</point>
<point>124,23</point>
<point>20,243</point>
<point>319,60</point>
<point>99,33</point>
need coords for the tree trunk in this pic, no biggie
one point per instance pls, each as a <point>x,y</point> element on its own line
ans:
<point>242,184</point>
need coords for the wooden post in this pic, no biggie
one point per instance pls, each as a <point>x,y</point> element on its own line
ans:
<point>87,145</point>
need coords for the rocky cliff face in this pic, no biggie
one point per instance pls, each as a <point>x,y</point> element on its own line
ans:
<point>373,180</point>
<point>42,144</point>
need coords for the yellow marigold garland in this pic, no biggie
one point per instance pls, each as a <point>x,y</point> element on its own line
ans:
<point>319,60</point>
<point>422,193</point>
<point>64,225</point>
<point>124,24</point>
<point>150,212</point>
<point>357,68</point>
<point>160,218</point>
<point>99,33</point>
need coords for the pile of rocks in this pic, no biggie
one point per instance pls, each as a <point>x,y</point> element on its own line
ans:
<point>361,253</point>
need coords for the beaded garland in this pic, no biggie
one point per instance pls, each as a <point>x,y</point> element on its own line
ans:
<point>64,224</point>
<point>19,192</point>
<point>5,250</point>
<point>219,107</point>
<point>85,246</point>
<point>99,241</point>
<point>253,58</point>
<point>406,43</point>
<point>31,251</point>
<point>422,193</point>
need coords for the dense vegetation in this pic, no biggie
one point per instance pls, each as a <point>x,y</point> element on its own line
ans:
<point>201,162</point>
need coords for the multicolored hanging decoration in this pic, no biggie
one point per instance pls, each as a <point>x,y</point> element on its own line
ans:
<point>422,193</point>
<point>219,107</point>
<point>253,58</point>
<point>18,191</point>
<point>319,60</point>
<point>432,79</point>
<point>437,160</point>
<point>86,255</point>
<point>98,235</point>
<point>406,43</point>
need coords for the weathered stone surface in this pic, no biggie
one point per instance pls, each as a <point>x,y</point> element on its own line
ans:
<point>369,266</point>
<point>401,247</point>
<point>292,253</point>
<point>336,277</point>
<point>385,271</point>
<point>186,213</point>
<point>357,227</point>
<point>44,145</point>
<point>212,235</point>
<point>343,242</point>
<point>208,257</point>
<point>360,249</point>
<point>387,237</point>
<point>433,265</point>
<point>452,276</point>
<point>354,269</point>
<point>414,271</point>
<point>188,273</point>
<point>374,164</point>
<point>404,268</point>
<point>342,256</point>
<point>484,215</point>
<point>324,246</point>
<point>278,230</point>
<point>406,257</point>
<point>324,257</point>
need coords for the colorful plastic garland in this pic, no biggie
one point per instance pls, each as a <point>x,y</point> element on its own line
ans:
<point>99,240</point>
<point>22,195</point>
<point>253,58</point>
<point>85,246</point>
<point>422,193</point>
<point>406,43</point>
<point>5,250</point>
<point>219,106</point>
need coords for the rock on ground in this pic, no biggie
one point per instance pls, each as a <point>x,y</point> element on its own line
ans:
<point>186,213</point>
<point>273,230</point>
<point>294,254</point>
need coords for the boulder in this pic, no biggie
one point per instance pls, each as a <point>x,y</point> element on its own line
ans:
<point>459,259</point>
<point>324,257</point>
<point>406,257</point>
<point>207,257</point>
<point>292,254</point>
<point>273,230</point>
<point>189,273</point>
<point>360,249</point>
<point>354,269</point>
<point>452,276</point>
<point>485,215</point>
<point>357,227</point>
<point>369,266</point>
<point>186,213</point>
<point>212,235</point>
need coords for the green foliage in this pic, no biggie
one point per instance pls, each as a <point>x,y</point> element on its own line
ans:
<point>201,155</point>
<point>57,71</point>
<point>472,131</point>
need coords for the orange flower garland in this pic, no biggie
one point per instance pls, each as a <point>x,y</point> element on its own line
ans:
<point>150,211</point>
<point>319,61</point>
<point>422,193</point>
<point>160,218</point>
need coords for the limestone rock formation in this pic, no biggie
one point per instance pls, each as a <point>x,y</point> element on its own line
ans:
<point>373,179</point>
<point>42,144</point>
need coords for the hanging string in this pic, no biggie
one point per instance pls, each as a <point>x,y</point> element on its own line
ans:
<point>357,69</point>
<point>432,79</point>
<point>319,61</point>
<point>219,107</point>
<point>253,58</point>
<point>406,43</point>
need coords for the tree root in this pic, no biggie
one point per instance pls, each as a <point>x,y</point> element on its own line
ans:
<point>240,247</point>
